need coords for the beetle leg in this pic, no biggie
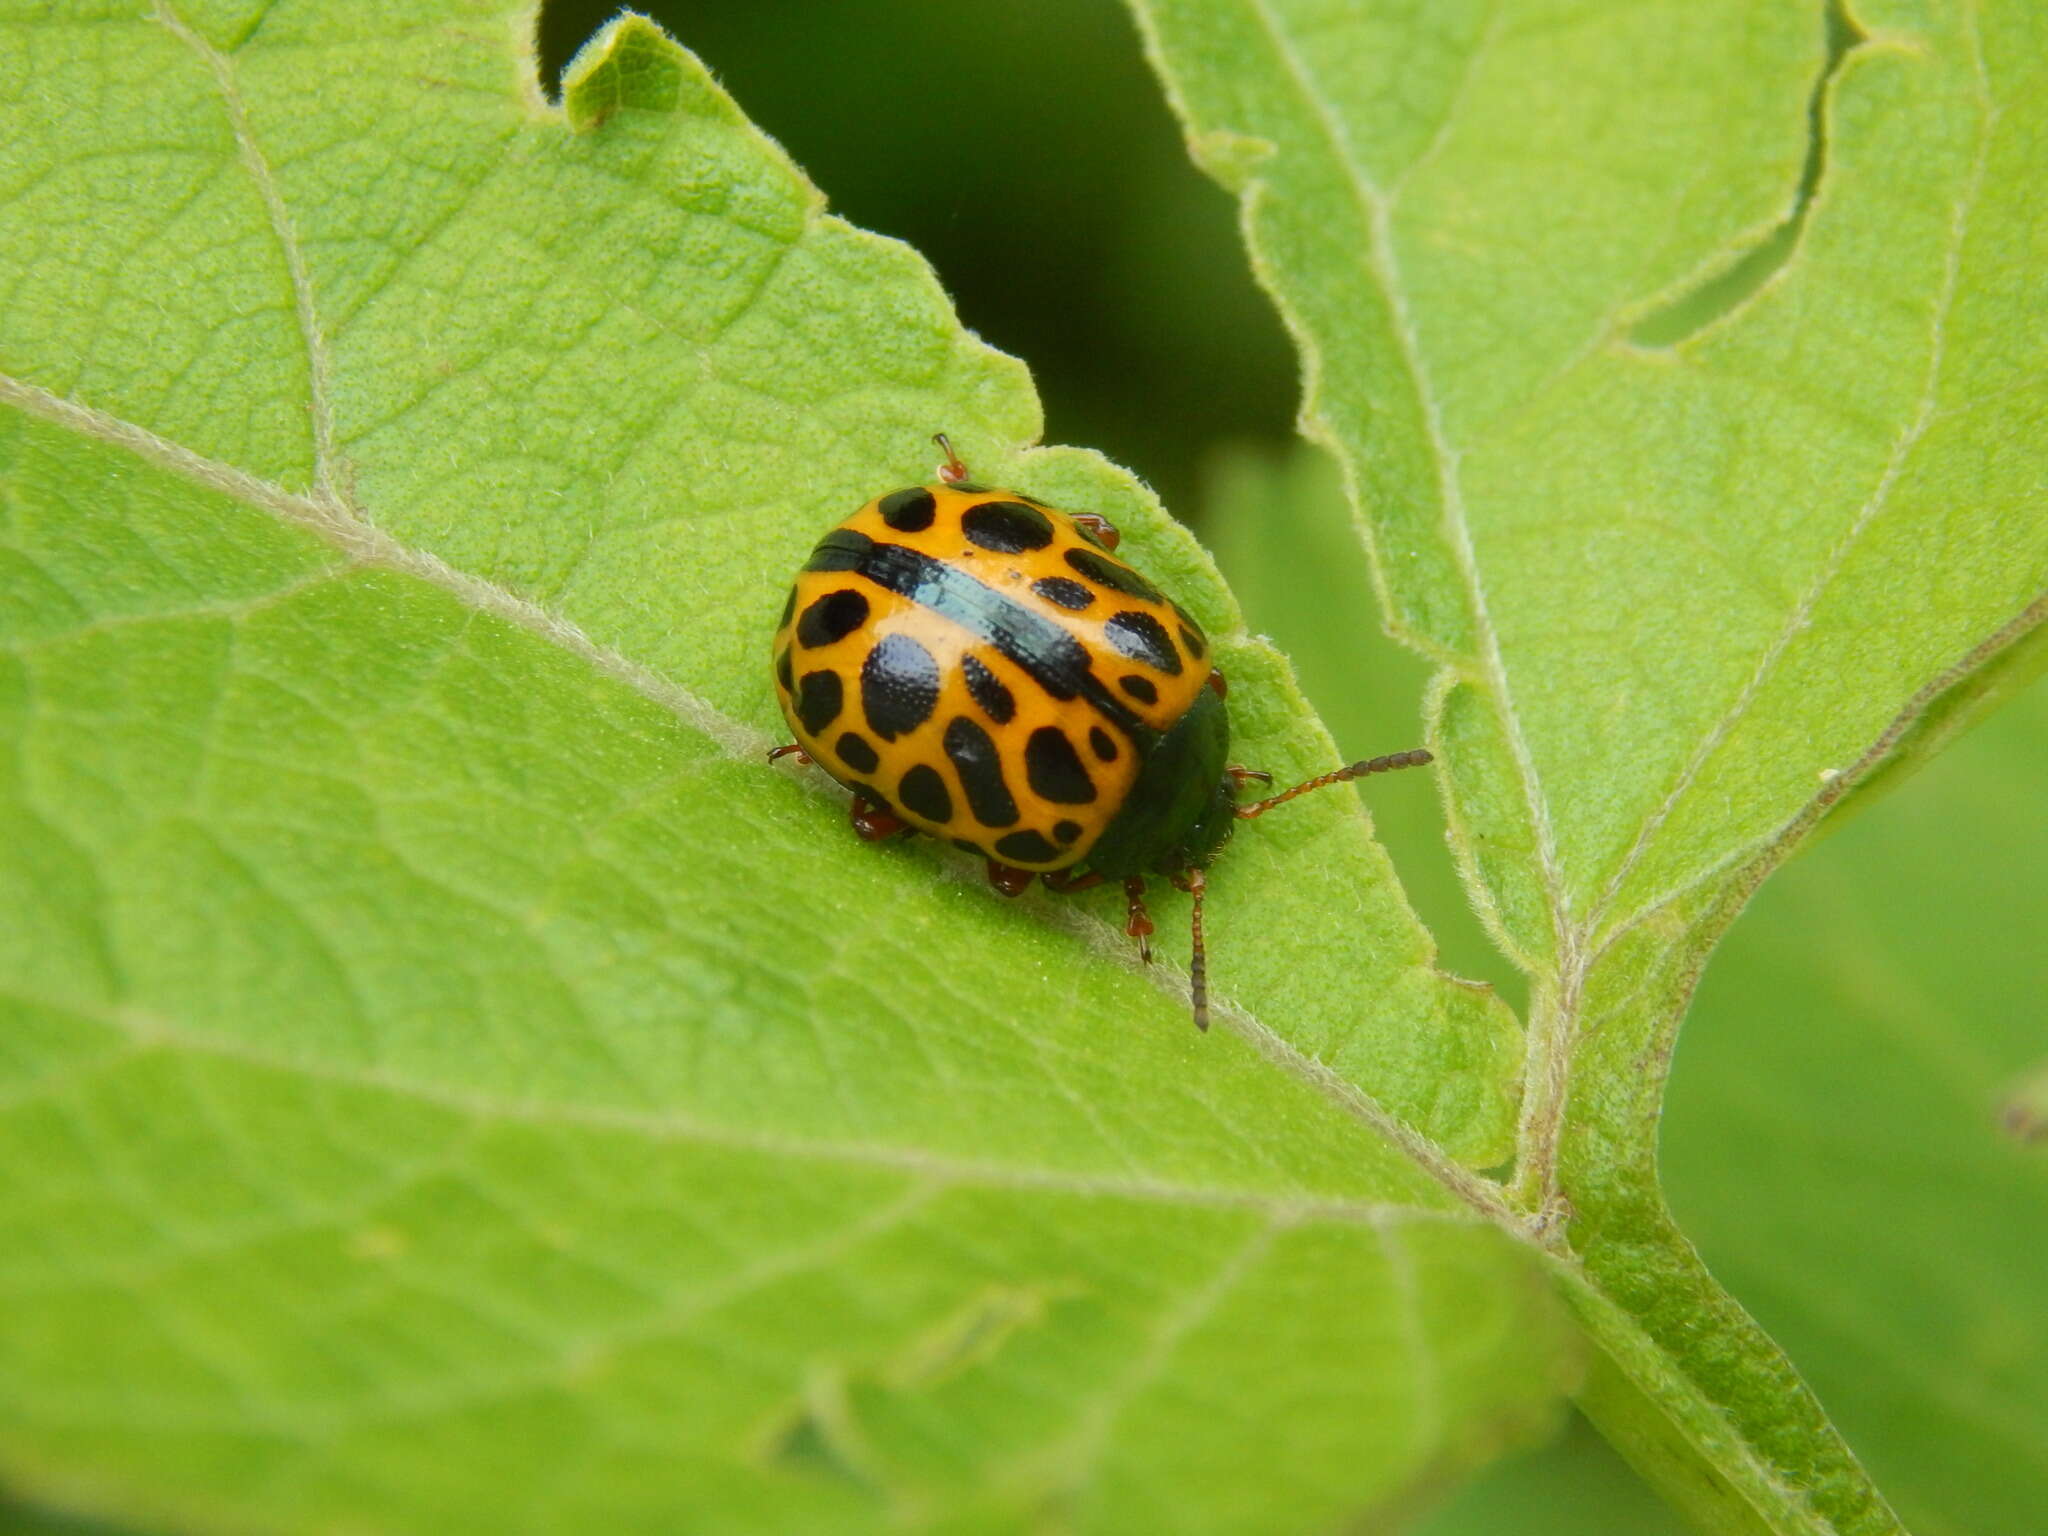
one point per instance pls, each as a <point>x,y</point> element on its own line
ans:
<point>1137,921</point>
<point>952,471</point>
<point>1219,682</point>
<point>1242,774</point>
<point>1008,879</point>
<point>1100,526</point>
<point>874,821</point>
<point>788,749</point>
<point>1064,881</point>
<point>1194,882</point>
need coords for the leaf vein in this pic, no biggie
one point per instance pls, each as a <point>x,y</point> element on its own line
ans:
<point>318,372</point>
<point>328,517</point>
<point>1831,567</point>
<point>1084,1448</point>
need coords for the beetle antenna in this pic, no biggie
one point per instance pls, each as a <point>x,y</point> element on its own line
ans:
<point>1385,764</point>
<point>1198,964</point>
<point>952,470</point>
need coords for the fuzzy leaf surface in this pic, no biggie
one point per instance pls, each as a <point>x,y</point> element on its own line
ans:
<point>445,1071</point>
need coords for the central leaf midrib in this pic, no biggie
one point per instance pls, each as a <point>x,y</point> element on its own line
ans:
<point>343,527</point>
<point>334,517</point>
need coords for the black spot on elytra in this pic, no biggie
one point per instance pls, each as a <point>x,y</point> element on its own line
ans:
<point>1007,527</point>
<point>1066,831</point>
<point>857,752</point>
<point>1054,768</point>
<point>980,767</point>
<point>1026,847</point>
<point>924,792</point>
<point>818,700</point>
<point>1111,573</point>
<point>1139,688</point>
<point>910,510</point>
<point>843,549</point>
<point>832,617</point>
<point>899,686</point>
<point>1103,743</point>
<point>785,673</point>
<point>988,690</point>
<point>1191,634</point>
<point>1066,592</point>
<point>1143,638</point>
<point>788,608</point>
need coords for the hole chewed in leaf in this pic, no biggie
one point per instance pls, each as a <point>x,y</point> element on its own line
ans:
<point>1726,290</point>
<point>561,30</point>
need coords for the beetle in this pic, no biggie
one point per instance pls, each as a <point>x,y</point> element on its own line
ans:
<point>976,665</point>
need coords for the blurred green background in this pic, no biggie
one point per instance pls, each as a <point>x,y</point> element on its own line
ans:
<point>1834,1140</point>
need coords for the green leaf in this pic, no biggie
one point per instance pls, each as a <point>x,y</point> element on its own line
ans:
<point>1700,545</point>
<point>1875,989</point>
<point>1871,989</point>
<point>1285,540</point>
<point>444,1069</point>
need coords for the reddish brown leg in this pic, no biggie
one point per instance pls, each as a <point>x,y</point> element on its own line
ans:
<point>1194,882</point>
<point>1242,775</point>
<point>952,470</point>
<point>1008,879</point>
<point>1219,682</point>
<point>874,822</point>
<point>1064,881</point>
<point>788,749</point>
<point>1103,529</point>
<point>1385,764</point>
<point>1137,921</point>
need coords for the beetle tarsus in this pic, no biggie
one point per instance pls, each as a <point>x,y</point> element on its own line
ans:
<point>1137,921</point>
<point>1062,881</point>
<point>874,821</point>
<point>1101,527</point>
<point>1009,879</point>
<point>951,470</point>
<point>1194,882</point>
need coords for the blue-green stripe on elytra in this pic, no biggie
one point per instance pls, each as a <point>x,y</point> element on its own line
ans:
<point>1053,659</point>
